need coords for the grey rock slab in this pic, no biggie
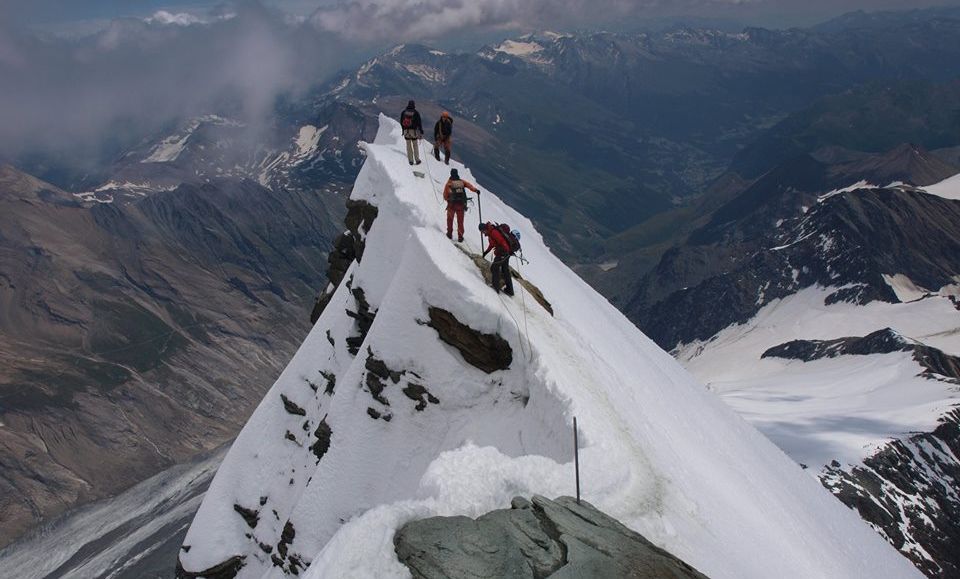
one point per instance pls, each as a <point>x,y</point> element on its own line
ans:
<point>558,539</point>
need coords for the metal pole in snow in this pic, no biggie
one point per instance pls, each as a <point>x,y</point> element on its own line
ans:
<point>576,456</point>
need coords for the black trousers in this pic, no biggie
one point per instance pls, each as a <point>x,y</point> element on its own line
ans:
<point>501,271</point>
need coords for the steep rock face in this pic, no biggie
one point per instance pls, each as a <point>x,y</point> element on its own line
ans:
<point>866,253</point>
<point>134,334</point>
<point>537,539</point>
<point>848,240</point>
<point>414,430</point>
<point>908,492</point>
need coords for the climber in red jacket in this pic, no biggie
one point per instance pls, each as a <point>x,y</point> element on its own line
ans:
<point>501,257</point>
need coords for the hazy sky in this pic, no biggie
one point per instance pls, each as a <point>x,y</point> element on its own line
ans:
<point>75,71</point>
<point>770,12</point>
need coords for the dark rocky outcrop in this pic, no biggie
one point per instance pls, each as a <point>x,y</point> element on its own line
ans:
<point>347,247</point>
<point>783,239</point>
<point>538,539</point>
<point>908,492</point>
<point>935,362</point>
<point>364,317</point>
<point>290,562</point>
<point>250,516</point>
<point>323,433</point>
<point>292,407</point>
<point>331,379</point>
<point>419,394</point>
<point>883,341</point>
<point>488,352</point>
<point>226,570</point>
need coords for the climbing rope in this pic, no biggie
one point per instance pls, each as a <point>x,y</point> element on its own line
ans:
<point>433,185</point>
<point>515,323</point>
<point>523,301</point>
<point>521,334</point>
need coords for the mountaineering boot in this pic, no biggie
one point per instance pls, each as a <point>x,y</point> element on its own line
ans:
<point>436,153</point>
<point>460,238</point>
<point>450,235</point>
<point>446,157</point>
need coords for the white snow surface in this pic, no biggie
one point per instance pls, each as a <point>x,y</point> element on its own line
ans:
<point>658,451</point>
<point>519,47</point>
<point>904,288</point>
<point>840,408</point>
<point>948,188</point>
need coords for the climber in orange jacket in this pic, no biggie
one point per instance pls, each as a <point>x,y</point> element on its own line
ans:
<point>455,194</point>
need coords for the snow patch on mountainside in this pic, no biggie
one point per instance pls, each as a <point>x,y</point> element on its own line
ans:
<point>170,148</point>
<point>519,48</point>
<point>839,408</point>
<point>351,442</point>
<point>427,73</point>
<point>854,187</point>
<point>948,188</point>
<point>904,288</point>
<point>307,141</point>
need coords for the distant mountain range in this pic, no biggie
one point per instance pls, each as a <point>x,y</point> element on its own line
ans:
<point>137,331</point>
<point>665,167</point>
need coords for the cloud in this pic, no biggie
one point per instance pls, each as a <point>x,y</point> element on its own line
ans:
<point>79,98</point>
<point>178,19</point>
<point>411,20</point>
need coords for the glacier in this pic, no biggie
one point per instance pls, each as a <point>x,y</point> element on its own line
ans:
<point>333,461</point>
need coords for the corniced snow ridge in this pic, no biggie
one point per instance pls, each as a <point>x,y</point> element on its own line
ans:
<point>380,419</point>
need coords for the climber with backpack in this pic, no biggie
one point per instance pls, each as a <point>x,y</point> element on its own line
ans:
<point>455,194</point>
<point>412,131</point>
<point>442,134</point>
<point>504,243</point>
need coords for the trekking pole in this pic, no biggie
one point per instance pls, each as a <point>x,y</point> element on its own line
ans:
<point>480,215</point>
<point>576,456</point>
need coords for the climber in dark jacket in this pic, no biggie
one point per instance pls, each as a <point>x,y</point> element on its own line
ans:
<point>501,257</point>
<point>455,194</point>
<point>442,135</point>
<point>412,131</point>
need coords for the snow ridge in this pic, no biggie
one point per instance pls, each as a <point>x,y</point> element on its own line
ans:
<point>346,447</point>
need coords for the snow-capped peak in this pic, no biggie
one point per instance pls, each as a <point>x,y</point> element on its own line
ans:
<point>420,391</point>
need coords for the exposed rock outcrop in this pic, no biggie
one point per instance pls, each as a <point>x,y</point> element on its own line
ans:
<point>903,492</point>
<point>538,539</point>
<point>347,248</point>
<point>226,570</point>
<point>935,362</point>
<point>488,352</point>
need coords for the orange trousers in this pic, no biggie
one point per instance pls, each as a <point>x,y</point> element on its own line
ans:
<point>455,209</point>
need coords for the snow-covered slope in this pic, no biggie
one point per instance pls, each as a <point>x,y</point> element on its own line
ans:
<point>842,407</point>
<point>948,188</point>
<point>346,447</point>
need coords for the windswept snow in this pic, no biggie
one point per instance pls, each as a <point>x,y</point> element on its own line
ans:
<point>659,452</point>
<point>948,188</point>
